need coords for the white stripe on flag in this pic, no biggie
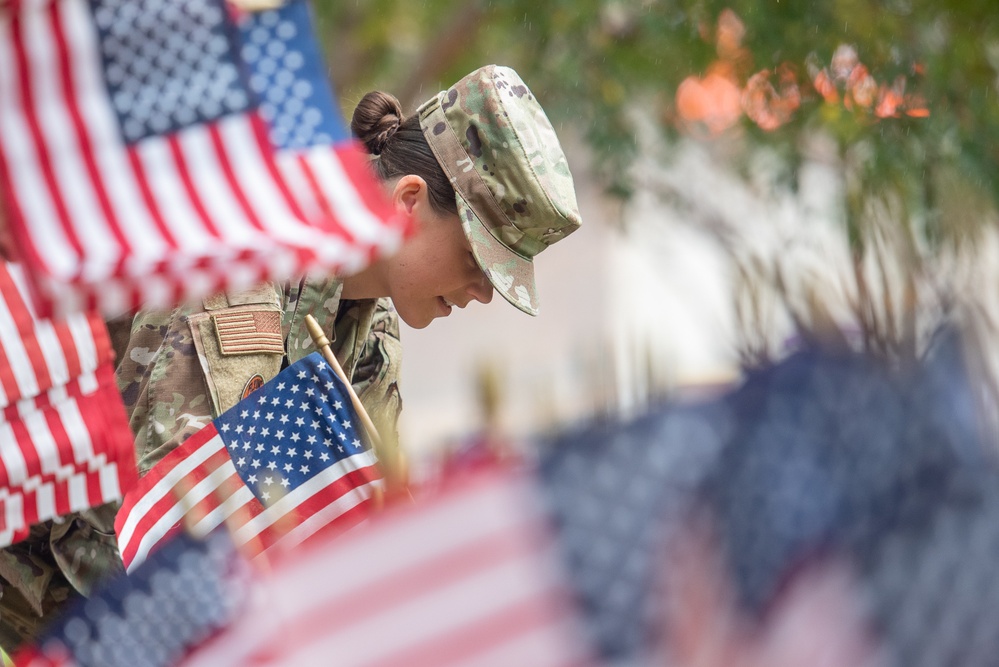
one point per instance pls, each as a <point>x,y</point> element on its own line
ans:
<point>23,167</point>
<point>11,455</point>
<point>110,481</point>
<point>88,383</point>
<point>13,514</point>
<point>83,340</point>
<point>45,500</point>
<point>79,498</point>
<point>97,240</point>
<point>298,186</point>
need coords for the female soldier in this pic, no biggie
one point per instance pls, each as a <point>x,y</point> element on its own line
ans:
<point>480,171</point>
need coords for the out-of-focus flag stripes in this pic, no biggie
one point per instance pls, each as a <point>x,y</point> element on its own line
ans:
<point>466,578</point>
<point>285,462</point>
<point>65,444</point>
<point>39,354</point>
<point>159,150</point>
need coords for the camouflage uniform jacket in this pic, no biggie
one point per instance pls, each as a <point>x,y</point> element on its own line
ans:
<point>174,379</point>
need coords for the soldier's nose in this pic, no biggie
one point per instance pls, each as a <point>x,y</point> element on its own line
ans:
<point>481,290</point>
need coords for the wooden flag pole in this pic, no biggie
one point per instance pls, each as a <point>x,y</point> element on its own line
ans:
<point>323,343</point>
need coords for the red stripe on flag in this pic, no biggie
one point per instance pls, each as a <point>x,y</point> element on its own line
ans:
<point>44,159</point>
<point>86,147</point>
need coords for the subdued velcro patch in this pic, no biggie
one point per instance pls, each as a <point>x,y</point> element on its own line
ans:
<point>249,332</point>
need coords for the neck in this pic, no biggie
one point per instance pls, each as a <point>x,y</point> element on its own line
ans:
<point>367,284</point>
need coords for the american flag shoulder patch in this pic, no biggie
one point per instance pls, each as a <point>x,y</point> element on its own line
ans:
<point>249,331</point>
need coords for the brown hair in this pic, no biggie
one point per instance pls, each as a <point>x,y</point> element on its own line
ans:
<point>400,147</point>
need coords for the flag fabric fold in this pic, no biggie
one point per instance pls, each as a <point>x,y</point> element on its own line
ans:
<point>153,151</point>
<point>65,443</point>
<point>285,462</point>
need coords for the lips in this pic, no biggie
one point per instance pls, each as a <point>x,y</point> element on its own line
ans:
<point>445,306</point>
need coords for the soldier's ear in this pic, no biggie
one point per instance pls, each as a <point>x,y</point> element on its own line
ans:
<point>410,194</point>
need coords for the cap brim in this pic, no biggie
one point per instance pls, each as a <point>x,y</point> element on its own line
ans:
<point>510,274</point>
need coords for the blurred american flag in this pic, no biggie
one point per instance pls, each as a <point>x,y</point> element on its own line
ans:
<point>158,150</point>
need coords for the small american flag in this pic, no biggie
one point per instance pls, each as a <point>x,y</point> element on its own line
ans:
<point>65,444</point>
<point>159,150</point>
<point>466,577</point>
<point>285,462</point>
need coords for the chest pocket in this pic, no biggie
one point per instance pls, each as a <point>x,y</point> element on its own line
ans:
<point>239,342</point>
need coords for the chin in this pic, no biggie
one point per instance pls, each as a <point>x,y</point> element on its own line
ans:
<point>415,320</point>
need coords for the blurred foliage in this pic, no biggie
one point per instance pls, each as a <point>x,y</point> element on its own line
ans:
<point>918,123</point>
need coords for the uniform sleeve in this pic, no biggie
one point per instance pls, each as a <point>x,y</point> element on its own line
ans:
<point>376,375</point>
<point>163,386</point>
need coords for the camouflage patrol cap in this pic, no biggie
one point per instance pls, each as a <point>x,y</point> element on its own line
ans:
<point>512,183</point>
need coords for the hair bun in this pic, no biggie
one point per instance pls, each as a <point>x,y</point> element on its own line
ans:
<point>376,118</point>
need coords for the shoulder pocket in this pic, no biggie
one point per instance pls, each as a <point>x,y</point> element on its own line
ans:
<point>239,348</point>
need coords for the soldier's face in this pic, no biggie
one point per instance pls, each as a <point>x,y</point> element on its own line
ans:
<point>435,270</point>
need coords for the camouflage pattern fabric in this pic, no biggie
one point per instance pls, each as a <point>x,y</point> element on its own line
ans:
<point>512,182</point>
<point>173,383</point>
